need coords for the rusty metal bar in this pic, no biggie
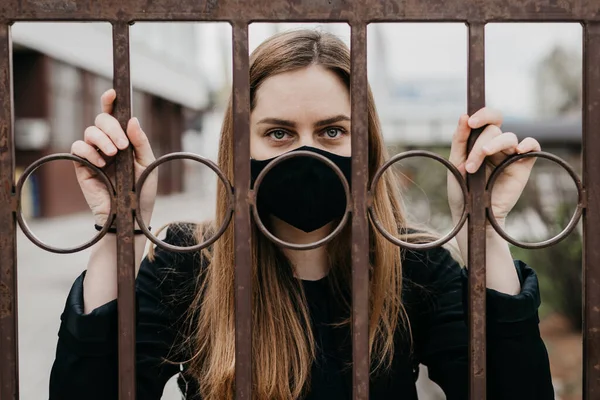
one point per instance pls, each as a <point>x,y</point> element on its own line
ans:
<point>125,238</point>
<point>591,218</point>
<point>9,361</point>
<point>123,12</point>
<point>300,10</point>
<point>242,235</point>
<point>360,226</point>
<point>476,224</point>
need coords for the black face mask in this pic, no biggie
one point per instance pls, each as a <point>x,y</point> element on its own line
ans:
<point>302,191</point>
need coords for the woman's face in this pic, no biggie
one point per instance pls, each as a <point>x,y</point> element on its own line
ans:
<point>305,107</point>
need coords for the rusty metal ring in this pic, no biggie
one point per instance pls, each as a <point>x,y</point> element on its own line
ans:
<point>296,246</point>
<point>448,165</point>
<point>202,160</point>
<point>25,228</point>
<point>574,219</point>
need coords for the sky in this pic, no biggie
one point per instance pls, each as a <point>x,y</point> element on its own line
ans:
<point>428,50</point>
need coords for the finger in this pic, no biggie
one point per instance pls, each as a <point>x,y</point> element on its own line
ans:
<point>506,143</point>
<point>485,116</point>
<point>87,151</point>
<point>527,145</point>
<point>95,137</point>
<point>458,149</point>
<point>110,126</point>
<point>477,155</point>
<point>141,145</point>
<point>107,99</point>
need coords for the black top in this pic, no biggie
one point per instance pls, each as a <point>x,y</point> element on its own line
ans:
<point>435,289</point>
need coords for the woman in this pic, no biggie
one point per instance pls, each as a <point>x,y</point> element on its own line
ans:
<point>301,340</point>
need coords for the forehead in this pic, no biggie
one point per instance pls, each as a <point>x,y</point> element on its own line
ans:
<point>307,92</point>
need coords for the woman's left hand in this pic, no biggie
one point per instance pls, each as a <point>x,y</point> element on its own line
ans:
<point>496,146</point>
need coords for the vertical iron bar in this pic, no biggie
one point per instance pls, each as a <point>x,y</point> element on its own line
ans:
<point>241,161</point>
<point>360,227</point>
<point>9,361</point>
<point>125,239</point>
<point>477,221</point>
<point>591,216</point>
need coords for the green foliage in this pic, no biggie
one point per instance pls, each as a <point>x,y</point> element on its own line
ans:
<point>558,267</point>
<point>560,274</point>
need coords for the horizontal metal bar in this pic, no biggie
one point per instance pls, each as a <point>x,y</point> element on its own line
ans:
<point>300,10</point>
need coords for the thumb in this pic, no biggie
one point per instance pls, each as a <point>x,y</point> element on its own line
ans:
<point>141,145</point>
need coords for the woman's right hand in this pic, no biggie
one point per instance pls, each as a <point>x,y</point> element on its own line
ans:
<point>100,144</point>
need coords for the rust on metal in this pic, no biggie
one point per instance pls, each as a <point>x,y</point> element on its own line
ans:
<point>296,246</point>
<point>240,14</point>
<point>591,219</point>
<point>391,236</point>
<point>242,231</point>
<point>476,224</point>
<point>125,227</point>
<point>23,224</point>
<point>360,223</point>
<point>300,10</point>
<point>183,156</point>
<point>9,360</point>
<point>574,219</point>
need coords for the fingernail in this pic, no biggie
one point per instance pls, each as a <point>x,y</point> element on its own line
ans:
<point>122,143</point>
<point>470,167</point>
<point>485,149</point>
<point>137,122</point>
<point>473,121</point>
<point>101,162</point>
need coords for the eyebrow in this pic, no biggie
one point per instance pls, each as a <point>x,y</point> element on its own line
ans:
<point>292,124</point>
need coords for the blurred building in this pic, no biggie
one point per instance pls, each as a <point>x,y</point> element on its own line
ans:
<point>420,111</point>
<point>61,69</point>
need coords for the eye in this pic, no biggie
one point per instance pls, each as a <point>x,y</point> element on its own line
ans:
<point>333,133</point>
<point>278,134</point>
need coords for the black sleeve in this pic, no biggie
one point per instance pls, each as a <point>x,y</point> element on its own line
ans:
<point>517,360</point>
<point>86,365</point>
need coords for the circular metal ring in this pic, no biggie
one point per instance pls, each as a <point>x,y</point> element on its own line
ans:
<point>319,242</point>
<point>25,228</point>
<point>574,219</point>
<point>185,156</point>
<point>448,165</point>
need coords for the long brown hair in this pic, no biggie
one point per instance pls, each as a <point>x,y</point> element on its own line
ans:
<point>283,348</point>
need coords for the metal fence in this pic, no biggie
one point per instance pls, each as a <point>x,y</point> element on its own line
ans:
<point>475,14</point>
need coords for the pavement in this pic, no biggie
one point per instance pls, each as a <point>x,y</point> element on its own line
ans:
<point>44,280</point>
